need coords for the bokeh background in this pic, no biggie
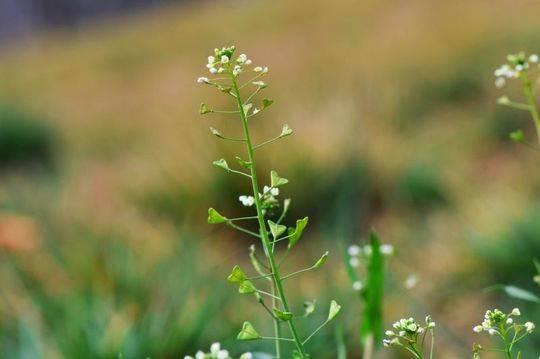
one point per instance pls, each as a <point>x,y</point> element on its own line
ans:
<point>106,175</point>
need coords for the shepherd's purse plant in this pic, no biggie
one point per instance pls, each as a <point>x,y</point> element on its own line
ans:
<point>236,77</point>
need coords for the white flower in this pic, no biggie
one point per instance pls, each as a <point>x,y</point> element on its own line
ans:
<point>224,59</point>
<point>222,354</point>
<point>411,281</point>
<point>211,60</point>
<point>258,69</point>
<point>213,70</point>
<point>500,82</point>
<point>242,58</point>
<point>529,327</point>
<point>357,286</point>
<point>256,111</point>
<point>389,333</point>
<point>202,80</point>
<point>509,321</point>
<point>259,83</point>
<point>265,69</point>
<point>188,357</point>
<point>420,330</point>
<point>431,325</point>
<point>247,201</point>
<point>353,250</point>
<point>220,70</point>
<point>215,348</point>
<point>533,58</point>
<point>199,355</point>
<point>520,68</point>
<point>515,311</point>
<point>387,249</point>
<point>354,262</point>
<point>271,190</point>
<point>236,70</point>
<point>478,329</point>
<point>246,356</point>
<point>248,62</point>
<point>492,331</point>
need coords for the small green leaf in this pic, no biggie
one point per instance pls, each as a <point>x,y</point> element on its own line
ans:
<point>276,229</point>
<point>266,102</point>
<point>285,316</point>
<point>321,260</point>
<point>517,136</point>
<point>222,164</point>
<point>247,107</point>
<point>248,332</point>
<point>237,275</point>
<point>245,164</point>
<point>286,131</point>
<point>518,293</point>
<point>204,109</point>
<point>276,181</point>
<point>334,310</point>
<point>309,308</point>
<point>215,217</point>
<point>246,287</point>
<point>296,233</point>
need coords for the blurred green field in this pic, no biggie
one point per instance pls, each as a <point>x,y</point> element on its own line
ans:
<point>106,171</point>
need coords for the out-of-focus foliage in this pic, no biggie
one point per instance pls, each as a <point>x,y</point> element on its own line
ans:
<point>396,128</point>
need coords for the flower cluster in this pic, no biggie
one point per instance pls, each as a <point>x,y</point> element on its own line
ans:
<point>356,252</point>
<point>516,65</point>
<point>503,325</point>
<point>216,353</point>
<point>408,333</point>
<point>222,61</point>
<point>268,198</point>
<point>497,322</point>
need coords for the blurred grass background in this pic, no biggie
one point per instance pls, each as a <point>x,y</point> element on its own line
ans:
<point>106,171</point>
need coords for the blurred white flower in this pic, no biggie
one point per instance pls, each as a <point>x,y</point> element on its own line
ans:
<point>215,348</point>
<point>500,82</point>
<point>533,58</point>
<point>357,286</point>
<point>199,355</point>
<point>529,327</point>
<point>387,249</point>
<point>353,250</point>
<point>258,69</point>
<point>354,262</point>
<point>247,201</point>
<point>272,190</point>
<point>478,329</point>
<point>515,311</point>
<point>246,356</point>
<point>224,59</point>
<point>411,281</point>
<point>222,354</point>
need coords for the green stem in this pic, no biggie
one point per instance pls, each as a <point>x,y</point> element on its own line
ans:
<point>277,326</point>
<point>529,95</point>
<point>262,226</point>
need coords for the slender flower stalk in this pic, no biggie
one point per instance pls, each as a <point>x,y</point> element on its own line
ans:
<point>519,66</point>
<point>266,204</point>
